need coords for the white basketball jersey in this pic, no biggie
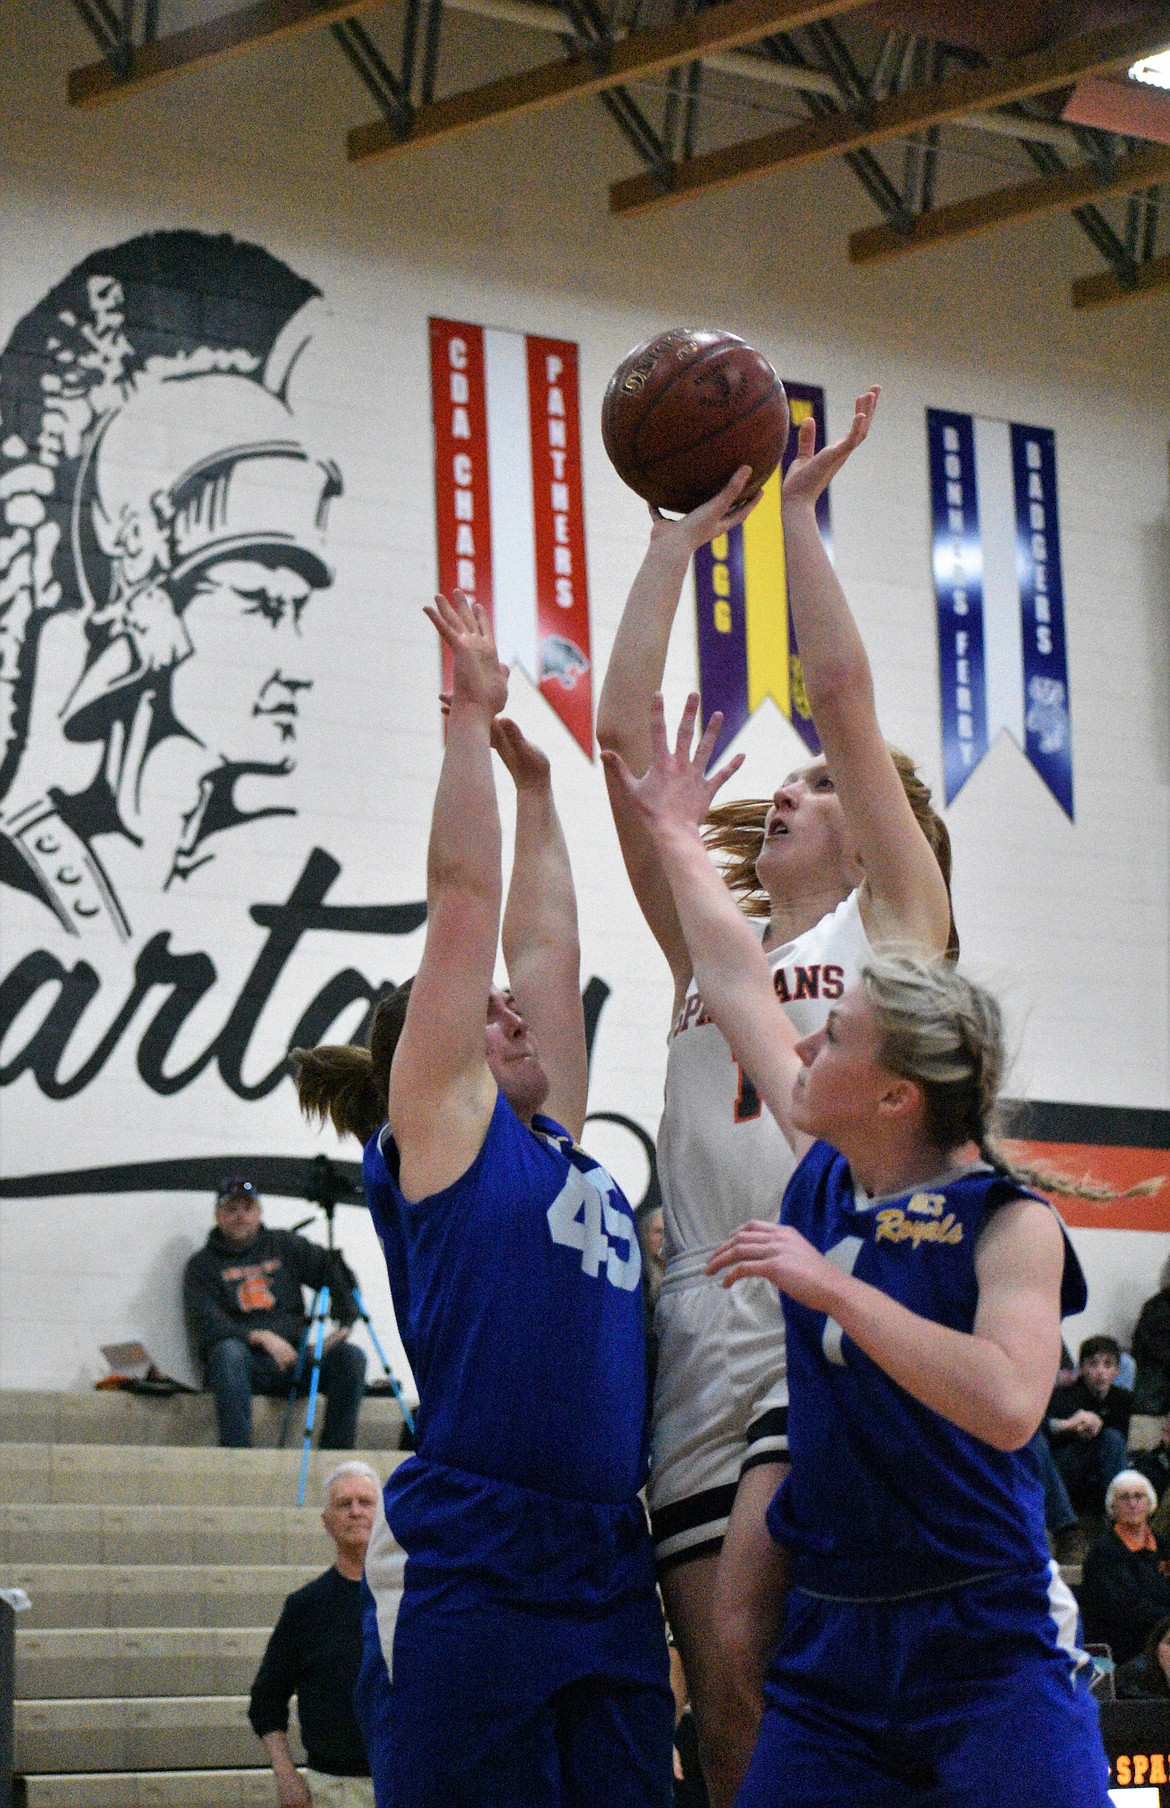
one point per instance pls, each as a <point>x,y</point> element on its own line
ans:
<point>722,1157</point>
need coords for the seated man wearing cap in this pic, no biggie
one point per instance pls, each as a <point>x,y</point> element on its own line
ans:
<point>242,1293</point>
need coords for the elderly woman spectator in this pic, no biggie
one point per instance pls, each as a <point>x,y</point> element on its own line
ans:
<point>1126,1586</point>
<point>1147,1677</point>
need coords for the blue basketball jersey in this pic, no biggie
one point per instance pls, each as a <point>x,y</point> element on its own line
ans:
<point>517,1294</point>
<point>529,1567</point>
<point>886,1497</point>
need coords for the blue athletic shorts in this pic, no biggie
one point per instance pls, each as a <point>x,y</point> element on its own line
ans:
<point>975,1697</point>
<point>594,1744</point>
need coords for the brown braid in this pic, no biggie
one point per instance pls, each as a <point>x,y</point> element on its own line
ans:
<point>946,1033</point>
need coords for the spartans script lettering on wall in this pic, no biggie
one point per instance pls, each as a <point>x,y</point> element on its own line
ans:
<point>165,528</point>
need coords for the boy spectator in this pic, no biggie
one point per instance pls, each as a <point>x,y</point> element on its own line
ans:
<point>1088,1424</point>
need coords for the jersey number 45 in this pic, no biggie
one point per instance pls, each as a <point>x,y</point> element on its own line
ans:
<point>580,1217</point>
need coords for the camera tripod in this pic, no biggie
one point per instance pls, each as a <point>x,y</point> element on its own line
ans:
<point>329,1188</point>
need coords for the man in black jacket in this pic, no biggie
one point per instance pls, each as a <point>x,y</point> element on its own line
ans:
<point>315,1653</point>
<point>245,1305</point>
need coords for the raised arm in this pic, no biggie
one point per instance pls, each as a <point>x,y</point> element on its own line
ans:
<point>442,1094</point>
<point>541,949</point>
<point>634,674</point>
<point>671,800</point>
<point>992,1381</point>
<point>904,897</point>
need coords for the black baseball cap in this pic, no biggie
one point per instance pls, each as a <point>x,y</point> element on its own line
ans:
<point>234,1186</point>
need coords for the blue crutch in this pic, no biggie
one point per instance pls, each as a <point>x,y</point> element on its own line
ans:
<point>395,1385</point>
<point>317,1325</point>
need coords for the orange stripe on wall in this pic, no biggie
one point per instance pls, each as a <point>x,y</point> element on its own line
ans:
<point>1111,1166</point>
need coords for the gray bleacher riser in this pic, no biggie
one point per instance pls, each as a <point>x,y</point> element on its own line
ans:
<point>109,1475</point>
<point>124,1535</point>
<point>153,1595</point>
<point>156,1570</point>
<point>186,1732</point>
<point>72,1664</point>
<point>109,1416</point>
<point>154,1789</point>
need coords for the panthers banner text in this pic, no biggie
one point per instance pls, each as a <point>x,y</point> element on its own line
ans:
<point>509,505</point>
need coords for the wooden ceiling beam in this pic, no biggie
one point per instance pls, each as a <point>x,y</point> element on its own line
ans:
<point>1104,289</point>
<point>914,110</point>
<point>1021,201</point>
<point>716,28</point>
<point>266,22</point>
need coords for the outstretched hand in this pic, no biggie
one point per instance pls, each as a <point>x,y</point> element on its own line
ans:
<point>479,678</point>
<point>528,764</point>
<point>777,1253</point>
<point>675,789</point>
<point>811,471</point>
<point>724,511</point>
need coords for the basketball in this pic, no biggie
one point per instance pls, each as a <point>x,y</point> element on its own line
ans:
<point>684,410</point>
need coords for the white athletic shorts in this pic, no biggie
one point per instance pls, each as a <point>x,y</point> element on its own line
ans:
<point>720,1403</point>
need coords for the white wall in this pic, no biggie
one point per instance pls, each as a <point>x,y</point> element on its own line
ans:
<point>509,227</point>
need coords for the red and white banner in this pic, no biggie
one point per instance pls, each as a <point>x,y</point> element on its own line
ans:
<point>509,503</point>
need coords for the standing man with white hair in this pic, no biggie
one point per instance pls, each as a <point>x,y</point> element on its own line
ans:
<point>315,1653</point>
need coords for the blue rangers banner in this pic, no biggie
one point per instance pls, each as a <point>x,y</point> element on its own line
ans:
<point>997,582</point>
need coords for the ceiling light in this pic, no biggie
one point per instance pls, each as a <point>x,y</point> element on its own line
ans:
<point>1153,69</point>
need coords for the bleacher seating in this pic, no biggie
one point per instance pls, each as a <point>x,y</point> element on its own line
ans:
<point>156,1565</point>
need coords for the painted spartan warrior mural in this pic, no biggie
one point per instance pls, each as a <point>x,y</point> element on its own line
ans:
<point>162,528</point>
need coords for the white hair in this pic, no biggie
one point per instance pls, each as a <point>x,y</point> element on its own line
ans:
<point>1129,1477</point>
<point>352,1467</point>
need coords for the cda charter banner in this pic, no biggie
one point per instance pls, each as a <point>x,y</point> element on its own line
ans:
<point>509,505</point>
<point>1000,596</point>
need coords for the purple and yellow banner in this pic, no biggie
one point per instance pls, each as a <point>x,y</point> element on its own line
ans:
<point>747,640</point>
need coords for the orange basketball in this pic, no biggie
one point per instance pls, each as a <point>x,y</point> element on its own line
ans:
<point>684,410</point>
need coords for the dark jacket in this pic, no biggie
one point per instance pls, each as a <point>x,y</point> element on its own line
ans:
<point>1151,1352</point>
<point>1155,1466</point>
<point>1123,1594</point>
<point>315,1653</point>
<point>229,1291</point>
<point>1142,1679</point>
<point>1114,1409</point>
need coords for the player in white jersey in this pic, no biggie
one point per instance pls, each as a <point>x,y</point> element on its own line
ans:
<point>846,854</point>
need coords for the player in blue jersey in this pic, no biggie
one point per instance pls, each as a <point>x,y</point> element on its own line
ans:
<point>928,1648</point>
<point>522,1663</point>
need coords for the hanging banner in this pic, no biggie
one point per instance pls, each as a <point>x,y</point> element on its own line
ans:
<point>746,636</point>
<point>1000,598</point>
<point>509,503</point>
